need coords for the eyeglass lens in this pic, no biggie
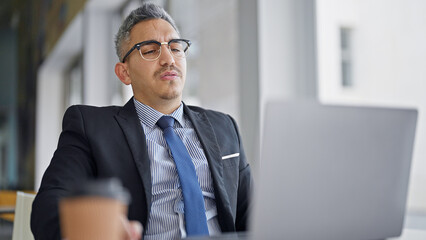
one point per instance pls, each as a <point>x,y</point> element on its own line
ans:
<point>151,51</point>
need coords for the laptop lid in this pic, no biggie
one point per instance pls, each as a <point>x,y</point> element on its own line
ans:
<point>333,172</point>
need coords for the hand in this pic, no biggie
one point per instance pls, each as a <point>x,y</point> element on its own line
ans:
<point>133,229</point>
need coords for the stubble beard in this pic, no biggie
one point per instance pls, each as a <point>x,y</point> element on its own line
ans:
<point>172,95</point>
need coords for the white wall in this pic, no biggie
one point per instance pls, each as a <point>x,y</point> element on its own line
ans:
<point>389,64</point>
<point>287,51</point>
<point>276,50</point>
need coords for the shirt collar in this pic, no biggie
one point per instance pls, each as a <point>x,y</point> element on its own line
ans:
<point>149,116</point>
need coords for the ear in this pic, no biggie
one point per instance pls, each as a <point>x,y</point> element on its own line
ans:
<point>121,70</point>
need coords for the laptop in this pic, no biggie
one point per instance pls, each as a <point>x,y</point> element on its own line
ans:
<point>332,172</point>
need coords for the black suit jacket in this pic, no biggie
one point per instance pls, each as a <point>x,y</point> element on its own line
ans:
<point>103,142</point>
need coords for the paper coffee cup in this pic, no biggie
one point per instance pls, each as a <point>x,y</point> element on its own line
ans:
<point>94,211</point>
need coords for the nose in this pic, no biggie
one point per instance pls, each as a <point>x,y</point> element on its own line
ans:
<point>166,57</point>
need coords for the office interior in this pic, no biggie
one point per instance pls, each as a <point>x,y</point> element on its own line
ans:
<point>245,53</point>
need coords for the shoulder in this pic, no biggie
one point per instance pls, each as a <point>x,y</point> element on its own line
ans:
<point>220,122</point>
<point>89,114</point>
<point>95,108</point>
<point>88,110</point>
<point>200,110</point>
<point>212,115</point>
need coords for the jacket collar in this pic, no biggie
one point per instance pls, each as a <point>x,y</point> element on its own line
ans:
<point>128,120</point>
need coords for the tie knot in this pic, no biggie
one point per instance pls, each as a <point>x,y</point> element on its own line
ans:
<point>165,122</point>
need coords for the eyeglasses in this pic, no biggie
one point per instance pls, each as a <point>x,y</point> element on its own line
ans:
<point>151,50</point>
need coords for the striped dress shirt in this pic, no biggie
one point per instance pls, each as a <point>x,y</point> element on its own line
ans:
<point>166,219</point>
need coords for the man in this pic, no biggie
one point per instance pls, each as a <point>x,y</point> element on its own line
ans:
<point>133,144</point>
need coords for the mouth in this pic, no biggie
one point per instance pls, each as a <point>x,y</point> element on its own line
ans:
<point>169,75</point>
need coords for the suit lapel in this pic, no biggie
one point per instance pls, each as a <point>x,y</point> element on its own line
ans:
<point>132,129</point>
<point>208,140</point>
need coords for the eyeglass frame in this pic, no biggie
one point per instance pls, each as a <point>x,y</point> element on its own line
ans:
<point>138,46</point>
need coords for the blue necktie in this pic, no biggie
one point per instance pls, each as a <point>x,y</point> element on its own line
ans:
<point>195,216</point>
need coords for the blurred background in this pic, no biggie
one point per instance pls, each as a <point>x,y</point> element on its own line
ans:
<point>244,54</point>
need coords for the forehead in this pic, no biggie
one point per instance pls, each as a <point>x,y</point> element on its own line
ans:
<point>153,29</point>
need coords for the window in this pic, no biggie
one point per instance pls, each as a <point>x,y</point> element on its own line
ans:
<point>346,56</point>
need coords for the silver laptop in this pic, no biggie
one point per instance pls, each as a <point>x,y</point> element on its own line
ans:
<point>332,172</point>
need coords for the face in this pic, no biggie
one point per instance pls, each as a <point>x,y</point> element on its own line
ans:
<point>158,82</point>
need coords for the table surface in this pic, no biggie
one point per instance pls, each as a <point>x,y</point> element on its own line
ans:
<point>7,209</point>
<point>411,234</point>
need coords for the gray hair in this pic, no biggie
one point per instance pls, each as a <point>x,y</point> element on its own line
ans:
<point>146,12</point>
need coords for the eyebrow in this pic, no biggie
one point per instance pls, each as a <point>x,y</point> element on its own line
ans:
<point>153,40</point>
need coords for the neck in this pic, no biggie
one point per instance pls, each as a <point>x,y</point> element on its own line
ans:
<point>163,106</point>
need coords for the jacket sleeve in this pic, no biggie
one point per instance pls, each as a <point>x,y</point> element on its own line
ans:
<point>244,189</point>
<point>71,163</point>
